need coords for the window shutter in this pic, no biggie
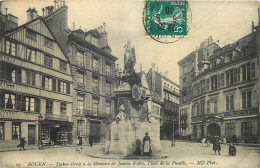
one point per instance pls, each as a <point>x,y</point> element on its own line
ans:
<point>33,78</point>
<point>23,103</point>
<point>2,100</point>
<point>54,84</point>
<point>68,88</point>
<point>37,105</point>
<point>58,86</point>
<point>19,102</point>
<point>43,82</point>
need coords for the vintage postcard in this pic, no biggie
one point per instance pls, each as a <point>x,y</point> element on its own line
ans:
<point>129,83</point>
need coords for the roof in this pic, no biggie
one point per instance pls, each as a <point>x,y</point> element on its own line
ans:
<point>94,32</point>
<point>156,98</point>
<point>164,77</point>
<point>187,58</point>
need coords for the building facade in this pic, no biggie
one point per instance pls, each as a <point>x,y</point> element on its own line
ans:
<point>168,93</point>
<point>225,95</point>
<point>190,66</point>
<point>93,72</point>
<point>35,86</point>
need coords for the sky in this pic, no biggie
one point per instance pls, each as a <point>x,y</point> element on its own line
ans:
<point>223,20</point>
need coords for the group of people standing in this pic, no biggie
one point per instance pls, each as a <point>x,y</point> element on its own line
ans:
<point>215,140</point>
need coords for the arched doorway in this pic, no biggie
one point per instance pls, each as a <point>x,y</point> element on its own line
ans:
<point>213,129</point>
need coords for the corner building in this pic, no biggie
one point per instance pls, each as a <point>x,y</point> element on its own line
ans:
<point>225,93</point>
<point>35,86</point>
<point>93,72</point>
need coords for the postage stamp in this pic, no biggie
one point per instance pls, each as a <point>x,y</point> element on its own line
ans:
<point>166,21</point>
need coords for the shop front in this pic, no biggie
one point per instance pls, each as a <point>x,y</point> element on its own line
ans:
<point>56,133</point>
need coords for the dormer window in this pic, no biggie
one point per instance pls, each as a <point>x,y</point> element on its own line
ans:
<point>48,42</point>
<point>31,34</point>
<point>94,41</point>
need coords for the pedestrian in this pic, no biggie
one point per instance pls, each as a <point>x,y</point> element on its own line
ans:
<point>90,139</point>
<point>22,143</point>
<point>208,140</point>
<point>79,140</point>
<point>146,145</point>
<point>232,149</point>
<point>216,144</point>
<point>234,139</point>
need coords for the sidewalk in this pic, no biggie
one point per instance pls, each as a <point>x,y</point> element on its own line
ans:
<point>35,147</point>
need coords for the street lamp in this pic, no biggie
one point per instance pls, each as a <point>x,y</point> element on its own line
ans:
<point>173,143</point>
<point>39,133</point>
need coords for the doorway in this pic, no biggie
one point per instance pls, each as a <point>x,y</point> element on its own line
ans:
<point>95,131</point>
<point>31,134</point>
<point>213,129</point>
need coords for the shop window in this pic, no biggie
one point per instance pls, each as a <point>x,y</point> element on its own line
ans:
<point>48,61</point>
<point>80,128</point>
<point>30,77</point>
<point>49,106</point>
<point>16,131</point>
<point>246,99</point>
<point>10,48</point>
<point>31,34</point>
<point>9,101</point>
<point>246,129</point>
<point>63,108</point>
<point>2,130</point>
<point>63,66</point>
<point>30,55</point>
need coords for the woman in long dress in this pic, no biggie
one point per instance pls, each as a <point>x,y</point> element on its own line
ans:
<point>147,144</point>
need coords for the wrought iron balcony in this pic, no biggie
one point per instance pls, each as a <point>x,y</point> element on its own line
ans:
<point>166,88</point>
<point>59,117</point>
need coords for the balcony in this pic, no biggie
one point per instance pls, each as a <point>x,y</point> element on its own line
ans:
<point>170,90</point>
<point>59,117</point>
<point>16,114</point>
<point>241,113</point>
<point>96,113</point>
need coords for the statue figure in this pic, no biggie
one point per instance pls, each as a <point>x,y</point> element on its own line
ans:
<point>129,58</point>
<point>121,115</point>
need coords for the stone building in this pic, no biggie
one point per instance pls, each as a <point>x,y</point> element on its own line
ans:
<point>190,66</point>
<point>93,72</point>
<point>168,93</point>
<point>225,95</point>
<point>35,86</point>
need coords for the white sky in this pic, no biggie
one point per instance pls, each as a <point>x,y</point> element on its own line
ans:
<point>221,19</point>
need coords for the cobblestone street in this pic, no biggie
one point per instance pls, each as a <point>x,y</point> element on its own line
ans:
<point>184,154</point>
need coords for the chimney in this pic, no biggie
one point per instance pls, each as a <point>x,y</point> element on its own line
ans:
<point>31,14</point>
<point>153,66</point>
<point>103,40</point>
<point>166,74</point>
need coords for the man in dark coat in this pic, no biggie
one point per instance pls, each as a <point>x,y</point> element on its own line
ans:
<point>22,143</point>
<point>216,144</point>
<point>90,139</point>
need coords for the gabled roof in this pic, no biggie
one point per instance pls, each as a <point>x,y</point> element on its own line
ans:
<point>94,32</point>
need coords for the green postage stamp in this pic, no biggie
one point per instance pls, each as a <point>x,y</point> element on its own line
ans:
<point>166,21</point>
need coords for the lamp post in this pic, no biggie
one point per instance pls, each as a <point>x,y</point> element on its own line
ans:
<point>173,143</point>
<point>39,133</point>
